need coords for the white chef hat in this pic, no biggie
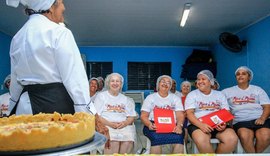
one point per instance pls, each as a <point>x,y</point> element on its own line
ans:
<point>208,74</point>
<point>36,5</point>
<point>245,68</point>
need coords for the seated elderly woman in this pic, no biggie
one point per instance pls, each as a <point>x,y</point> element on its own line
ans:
<point>251,107</point>
<point>185,89</point>
<point>118,113</point>
<point>163,99</point>
<point>93,88</point>
<point>201,102</point>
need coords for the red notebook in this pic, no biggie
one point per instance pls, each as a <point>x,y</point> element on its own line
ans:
<point>164,120</point>
<point>218,117</point>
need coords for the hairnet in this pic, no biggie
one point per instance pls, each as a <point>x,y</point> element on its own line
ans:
<point>108,78</point>
<point>249,71</point>
<point>187,83</point>
<point>208,74</point>
<point>8,78</point>
<point>159,79</point>
<point>94,78</point>
<point>36,5</point>
<point>100,78</point>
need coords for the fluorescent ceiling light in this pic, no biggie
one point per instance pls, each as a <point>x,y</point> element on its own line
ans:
<point>185,14</point>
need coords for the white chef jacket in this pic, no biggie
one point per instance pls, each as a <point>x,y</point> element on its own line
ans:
<point>24,105</point>
<point>45,52</point>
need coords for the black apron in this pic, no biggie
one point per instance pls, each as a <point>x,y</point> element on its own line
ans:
<point>49,98</point>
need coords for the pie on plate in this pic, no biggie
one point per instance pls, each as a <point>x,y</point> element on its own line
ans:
<point>44,131</point>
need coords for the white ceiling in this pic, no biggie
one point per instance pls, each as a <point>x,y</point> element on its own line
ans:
<point>148,22</point>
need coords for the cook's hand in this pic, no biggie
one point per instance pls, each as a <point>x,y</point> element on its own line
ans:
<point>221,127</point>
<point>178,130</point>
<point>102,129</point>
<point>259,121</point>
<point>205,128</point>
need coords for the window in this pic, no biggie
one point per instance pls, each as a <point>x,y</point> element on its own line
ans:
<point>96,69</point>
<point>143,75</point>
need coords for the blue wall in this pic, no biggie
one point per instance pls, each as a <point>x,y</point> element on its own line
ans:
<point>5,60</point>
<point>255,55</point>
<point>120,56</point>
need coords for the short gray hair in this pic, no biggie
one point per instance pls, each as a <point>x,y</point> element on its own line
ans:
<point>108,78</point>
<point>187,83</point>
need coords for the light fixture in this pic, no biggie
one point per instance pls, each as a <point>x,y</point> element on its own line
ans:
<point>185,14</point>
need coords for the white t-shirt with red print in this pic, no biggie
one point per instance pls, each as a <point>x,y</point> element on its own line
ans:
<point>205,104</point>
<point>4,102</point>
<point>246,104</point>
<point>154,100</point>
<point>114,108</point>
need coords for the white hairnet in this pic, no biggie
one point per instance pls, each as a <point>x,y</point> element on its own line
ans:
<point>187,83</point>
<point>159,79</point>
<point>245,68</point>
<point>208,74</point>
<point>100,78</point>
<point>108,78</point>
<point>36,5</point>
<point>8,78</point>
<point>94,78</point>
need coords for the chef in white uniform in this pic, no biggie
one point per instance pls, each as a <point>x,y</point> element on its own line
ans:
<point>46,61</point>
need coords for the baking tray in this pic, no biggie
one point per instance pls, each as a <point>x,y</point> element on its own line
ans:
<point>82,147</point>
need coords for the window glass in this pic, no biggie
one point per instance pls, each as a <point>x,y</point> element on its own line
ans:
<point>143,75</point>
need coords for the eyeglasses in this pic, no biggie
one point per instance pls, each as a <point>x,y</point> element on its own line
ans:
<point>165,82</point>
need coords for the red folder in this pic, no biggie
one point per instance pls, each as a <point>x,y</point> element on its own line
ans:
<point>216,118</point>
<point>164,120</point>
